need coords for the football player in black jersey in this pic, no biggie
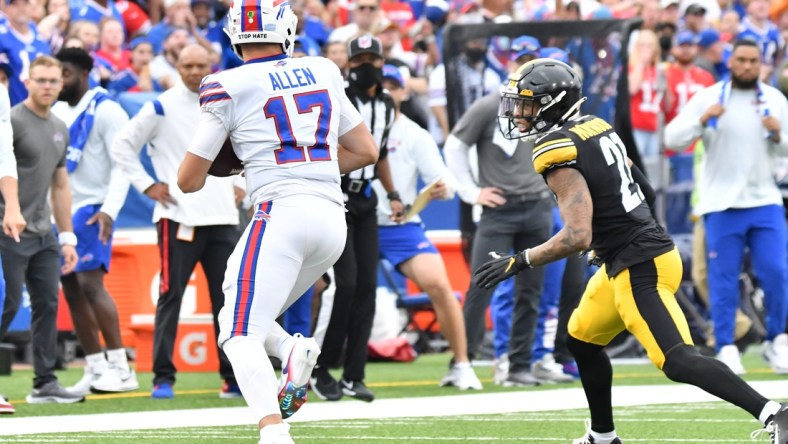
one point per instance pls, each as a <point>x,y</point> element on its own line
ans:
<point>605,205</point>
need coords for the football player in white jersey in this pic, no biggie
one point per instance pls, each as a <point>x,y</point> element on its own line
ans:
<point>295,131</point>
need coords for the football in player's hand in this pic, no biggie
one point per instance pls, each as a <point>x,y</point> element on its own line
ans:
<point>226,162</point>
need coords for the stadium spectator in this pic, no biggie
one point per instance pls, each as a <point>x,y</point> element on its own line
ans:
<point>111,56</point>
<point>406,245</point>
<point>694,18</point>
<point>200,227</point>
<point>40,141</point>
<point>684,79</point>
<point>137,77</point>
<point>205,25</point>
<point>176,12</point>
<point>739,199</point>
<point>366,14</point>
<point>135,19</point>
<point>86,32</point>
<point>757,27</point>
<point>730,23</point>
<point>98,192</point>
<point>670,11</point>
<point>94,10</point>
<point>163,67</point>
<point>645,98</point>
<point>54,27</point>
<point>337,53</point>
<point>20,44</point>
<point>710,50</point>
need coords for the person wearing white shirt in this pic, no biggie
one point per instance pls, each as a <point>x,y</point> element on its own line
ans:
<point>743,125</point>
<point>413,154</point>
<point>98,192</point>
<point>199,227</point>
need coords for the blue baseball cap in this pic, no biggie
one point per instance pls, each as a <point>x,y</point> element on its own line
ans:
<point>708,37</point>
<point>524,45</point>
<point>392,72</point>
<point>555,54</point>
<point>687,38</point>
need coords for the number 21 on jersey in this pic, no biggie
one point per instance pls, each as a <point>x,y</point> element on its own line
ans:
<point>615,153</point>
<point>292,145</point>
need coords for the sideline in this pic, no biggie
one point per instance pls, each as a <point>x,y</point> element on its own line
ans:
<point>471,404</point>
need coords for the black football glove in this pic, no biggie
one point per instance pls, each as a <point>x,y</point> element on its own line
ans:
<point>499,269</point>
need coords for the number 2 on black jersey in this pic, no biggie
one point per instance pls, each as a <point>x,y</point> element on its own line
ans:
<point>615,152</point>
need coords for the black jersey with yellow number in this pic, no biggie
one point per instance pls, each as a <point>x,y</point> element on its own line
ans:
<point>624,231</point>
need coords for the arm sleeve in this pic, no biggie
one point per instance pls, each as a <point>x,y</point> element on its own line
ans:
<point>114,120</point>
<point>645,186</point>
<point>7,159</point>
<point>128,143</point>
<point>210,136</point>
<point>554,151</point>
<point>686,126</point>
<point>456,152</point>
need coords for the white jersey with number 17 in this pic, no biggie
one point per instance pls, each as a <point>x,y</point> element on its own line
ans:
<point>284,117</point>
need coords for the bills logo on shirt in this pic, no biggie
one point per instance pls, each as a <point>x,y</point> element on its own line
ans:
<point>58,137</point>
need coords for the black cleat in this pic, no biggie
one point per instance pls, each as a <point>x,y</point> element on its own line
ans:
<point>357,389</point>
<point>778,426</point>
<point>324,385</point>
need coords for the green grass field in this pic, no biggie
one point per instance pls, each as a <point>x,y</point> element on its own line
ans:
<point>677,423</point>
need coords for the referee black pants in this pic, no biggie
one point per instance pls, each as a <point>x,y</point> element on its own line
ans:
<point>356,283</point>
<point>210,246</point>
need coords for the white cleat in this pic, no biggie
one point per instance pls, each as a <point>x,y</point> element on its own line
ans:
<point>462,376</point>
<point>82,387</point>
<point>776,353</point>
<point>296,371</point>
<point>548,371</point>
<point>501,370</point>
<point>729,355</point>
<point>116,380</point>
<point>276,434</point>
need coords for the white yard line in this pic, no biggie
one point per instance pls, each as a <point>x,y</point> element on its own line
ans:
<point>470,404</point>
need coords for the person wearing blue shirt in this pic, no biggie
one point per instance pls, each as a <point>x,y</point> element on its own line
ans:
<point>756,26</point>
<point>176,12</point>
<point>19,46</point>
<point>94,10</point>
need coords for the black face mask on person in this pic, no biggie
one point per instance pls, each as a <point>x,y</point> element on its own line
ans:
<point>475,55</point>
<point>366,75</point>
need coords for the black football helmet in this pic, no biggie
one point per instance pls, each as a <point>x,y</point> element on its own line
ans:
<point>544,92</point>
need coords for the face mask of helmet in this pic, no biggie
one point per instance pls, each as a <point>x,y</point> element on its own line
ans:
<point>543,93</point>
<point>366,75</point>
<point>475,55</point>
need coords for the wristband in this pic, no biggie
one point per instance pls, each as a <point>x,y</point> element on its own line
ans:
<point>527,258</point>
<point>394,195</point>
<point>67,238</point>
